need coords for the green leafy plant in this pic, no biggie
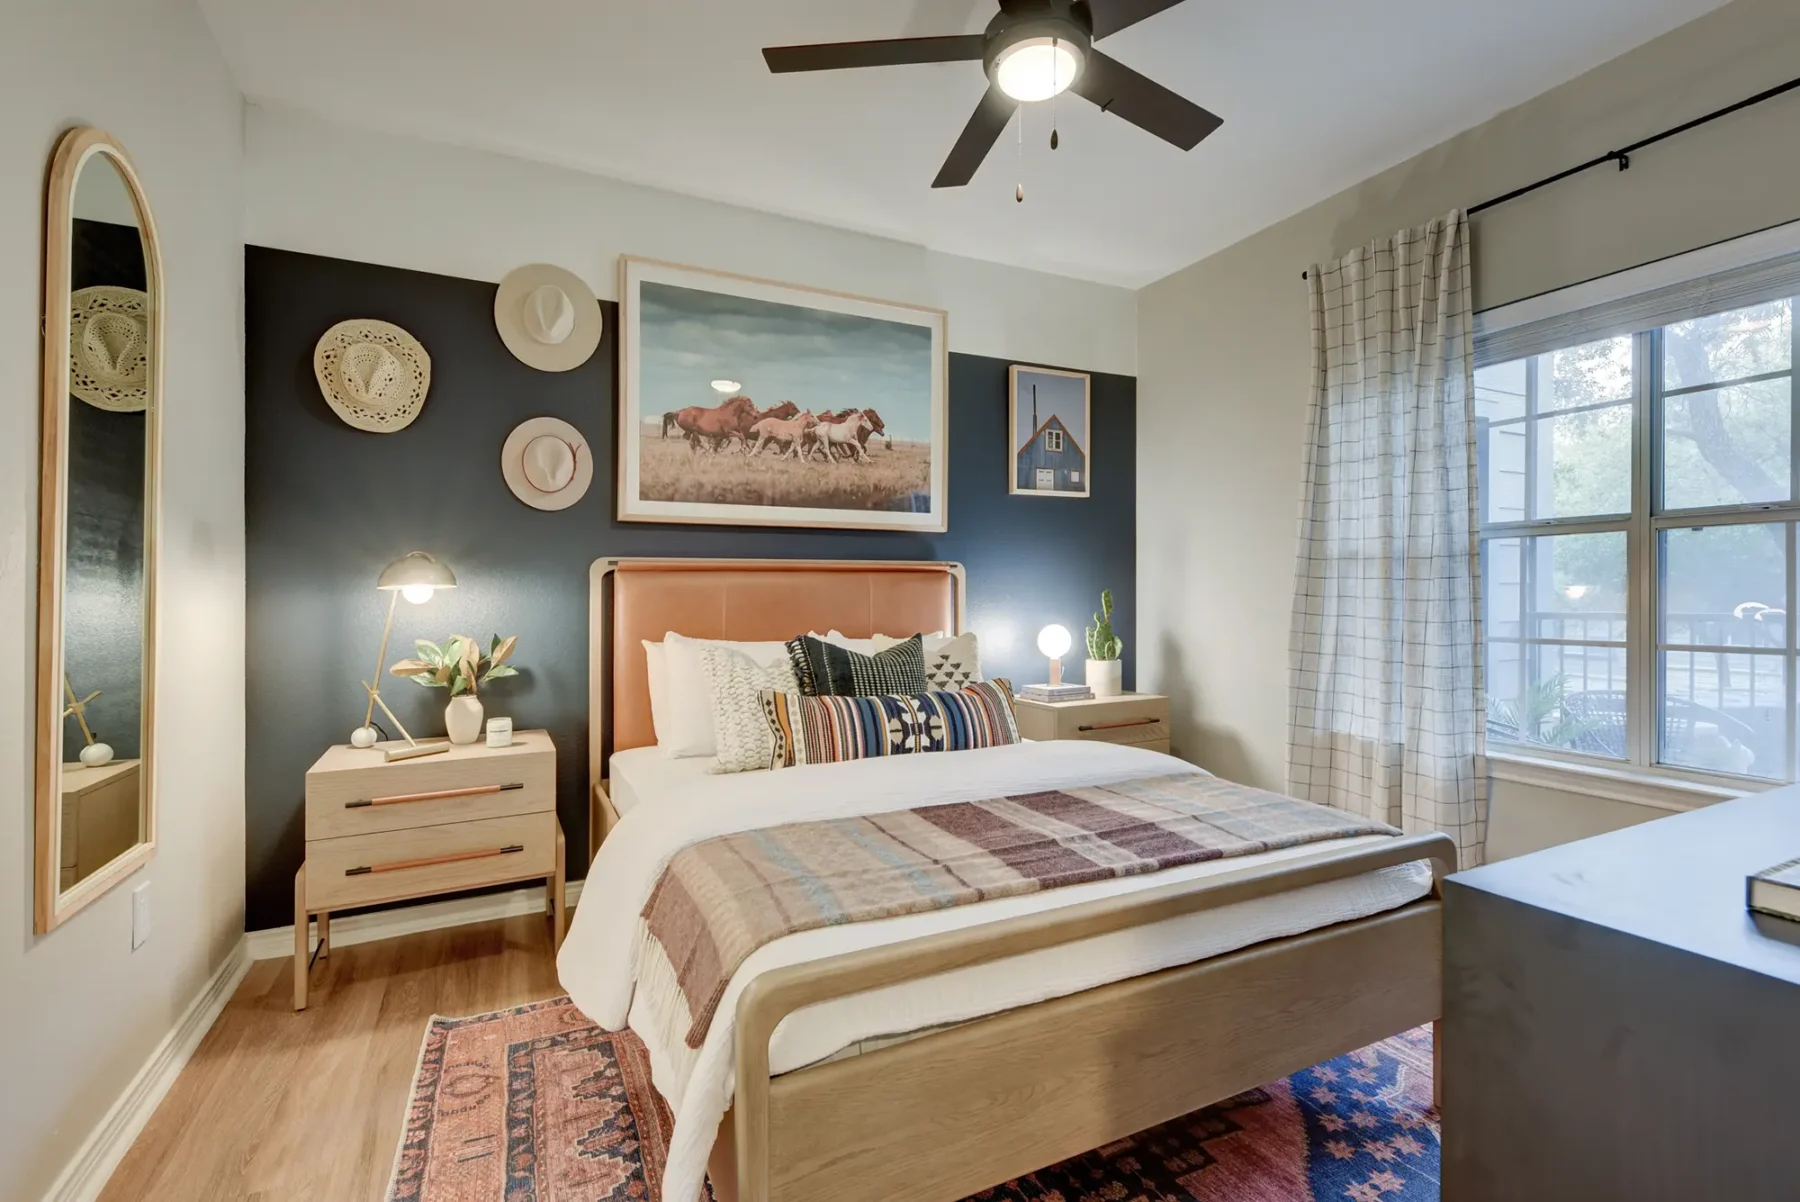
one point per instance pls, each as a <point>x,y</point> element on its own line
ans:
<point>1102,643</point>
<point>1539,715</point>
<point>460,665</point>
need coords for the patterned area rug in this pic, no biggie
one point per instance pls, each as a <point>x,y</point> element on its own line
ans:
<point>536,1104</point>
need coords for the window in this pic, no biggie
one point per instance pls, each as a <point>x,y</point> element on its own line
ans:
<point>1639,501</point>
<point>1053,440</point>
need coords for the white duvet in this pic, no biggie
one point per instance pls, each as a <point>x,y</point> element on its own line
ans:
<point>601,967</point>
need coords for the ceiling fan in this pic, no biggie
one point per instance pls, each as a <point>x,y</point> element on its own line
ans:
<point>1031,50</point>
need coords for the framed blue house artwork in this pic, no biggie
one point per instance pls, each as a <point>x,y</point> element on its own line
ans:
<point>1051,431</point>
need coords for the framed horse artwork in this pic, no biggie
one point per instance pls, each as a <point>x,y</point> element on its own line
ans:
<point>752,403</point>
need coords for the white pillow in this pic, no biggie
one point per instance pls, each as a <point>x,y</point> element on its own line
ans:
<point>951,661</point>
<point>737,683</point>
<point>691,729</point>
<point>662,719</point>
<point>840,639</point>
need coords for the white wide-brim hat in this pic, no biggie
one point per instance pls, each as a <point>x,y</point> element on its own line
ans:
<point>373,374</point>
<point>547,463</point>
<point>547,317</point>
<point>109,348</point>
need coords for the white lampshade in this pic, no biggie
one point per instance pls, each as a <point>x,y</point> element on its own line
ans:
<point>415,576</point>
<point>1054,641</point>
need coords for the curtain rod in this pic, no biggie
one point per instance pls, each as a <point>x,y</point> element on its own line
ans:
<point>1622,156</point>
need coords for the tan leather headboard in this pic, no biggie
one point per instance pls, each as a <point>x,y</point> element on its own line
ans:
<point>740,599</point>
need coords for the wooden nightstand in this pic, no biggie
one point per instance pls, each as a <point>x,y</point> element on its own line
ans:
<point>381,832</point>
<point>1137,719</point>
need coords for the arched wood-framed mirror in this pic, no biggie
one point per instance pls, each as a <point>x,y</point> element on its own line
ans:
<point>101,444</point>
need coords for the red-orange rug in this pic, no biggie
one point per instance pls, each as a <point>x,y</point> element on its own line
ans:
<point>536,1104</point>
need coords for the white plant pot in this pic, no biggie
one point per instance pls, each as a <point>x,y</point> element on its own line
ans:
<point>462,719</point>
<point>1106,677</point>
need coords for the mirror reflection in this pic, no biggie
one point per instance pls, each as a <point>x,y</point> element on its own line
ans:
<point>104,603</point>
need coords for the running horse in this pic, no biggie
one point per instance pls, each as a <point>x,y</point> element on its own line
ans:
<point>712,429</point>
<point>874,426</point>
<point>847,435</point>
<point>791,431</point>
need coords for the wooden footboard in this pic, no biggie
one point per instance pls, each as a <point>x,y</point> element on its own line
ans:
<point>937,1118</point>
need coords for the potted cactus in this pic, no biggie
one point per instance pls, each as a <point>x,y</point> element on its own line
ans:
<point>1105,672</point>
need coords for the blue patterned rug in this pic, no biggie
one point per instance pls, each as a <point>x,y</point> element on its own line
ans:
<point>537,1103</point>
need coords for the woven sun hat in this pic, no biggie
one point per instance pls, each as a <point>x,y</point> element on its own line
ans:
<point>373,374</point>
<point>547,463</point>
<point>547,317</point>
<point>109,348</point>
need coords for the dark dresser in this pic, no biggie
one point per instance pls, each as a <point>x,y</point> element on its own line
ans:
<point>1617,1025</point>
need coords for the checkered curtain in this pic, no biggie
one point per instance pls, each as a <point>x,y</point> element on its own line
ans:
<point>1385,695</point>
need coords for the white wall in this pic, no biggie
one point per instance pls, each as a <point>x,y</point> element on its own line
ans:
<point>80,1010</point>
<point>326,189</point>
<point>1225,356</point>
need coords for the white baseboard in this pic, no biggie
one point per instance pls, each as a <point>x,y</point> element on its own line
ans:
<point>409,920</point>
<point>93,1164</point>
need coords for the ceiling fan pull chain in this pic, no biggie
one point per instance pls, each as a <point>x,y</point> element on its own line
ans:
<point>1055,61</point>
<point>1019,192</point>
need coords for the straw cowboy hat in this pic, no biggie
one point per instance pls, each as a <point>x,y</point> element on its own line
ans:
<point>373,374</point>
<point>547,463</point>
<point>547,317</point>
<point>109,348</point>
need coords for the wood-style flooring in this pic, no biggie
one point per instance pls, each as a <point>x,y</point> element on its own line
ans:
<point>276,1105</point>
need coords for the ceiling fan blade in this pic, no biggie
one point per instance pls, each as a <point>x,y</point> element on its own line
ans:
<point>1119,90</point>
<point>894,52</point>
<point>1110,16</point>
<point>978,137</point>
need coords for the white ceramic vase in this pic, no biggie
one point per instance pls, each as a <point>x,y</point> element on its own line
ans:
<point>1106,677</point>
<point>462,719</point>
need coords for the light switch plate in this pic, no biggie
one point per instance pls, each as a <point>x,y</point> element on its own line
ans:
<point>140,915</point>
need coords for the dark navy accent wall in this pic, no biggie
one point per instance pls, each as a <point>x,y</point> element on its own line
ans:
<point>327,506</point>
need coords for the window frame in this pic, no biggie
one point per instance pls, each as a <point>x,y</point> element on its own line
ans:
<point>1053,441</point>
<point>1645,612</point>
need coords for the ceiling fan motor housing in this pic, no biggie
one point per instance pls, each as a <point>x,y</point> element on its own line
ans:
<point>1063,22</point>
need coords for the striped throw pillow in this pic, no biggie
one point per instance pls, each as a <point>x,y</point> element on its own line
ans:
<point>825,730</point>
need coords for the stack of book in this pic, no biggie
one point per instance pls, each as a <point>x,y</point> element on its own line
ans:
<point>1057,692</point>
<point>1777,891</point>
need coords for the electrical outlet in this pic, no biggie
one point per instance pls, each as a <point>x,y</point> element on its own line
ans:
<point>140,915</point>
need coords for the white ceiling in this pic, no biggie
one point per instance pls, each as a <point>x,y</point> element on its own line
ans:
<point>1316,95</point>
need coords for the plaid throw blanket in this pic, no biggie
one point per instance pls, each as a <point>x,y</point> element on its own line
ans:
<point>721,899</point>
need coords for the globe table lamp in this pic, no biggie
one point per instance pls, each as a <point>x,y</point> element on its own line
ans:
<point>1054,641</point>
<point>415,576</point>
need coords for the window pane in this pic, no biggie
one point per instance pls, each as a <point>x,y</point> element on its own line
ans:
<point>1584,463</point>
<point>1729,346</point>
<point>1724,713</point>
<point>1558,696</point>
<point>1559,586</point>
<point>1500,390</point>
<point>1725,586</point>
<point>1502,463</point>
<point>1728,446</point>
<point>1586,375</point>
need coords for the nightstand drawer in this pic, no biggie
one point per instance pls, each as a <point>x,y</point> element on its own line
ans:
<point>1132,731</point>
<point>361,794</point>
<point>1135,719</point>
<point>362,870</point>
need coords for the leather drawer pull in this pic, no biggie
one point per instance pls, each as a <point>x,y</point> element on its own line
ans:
<point>439,795</point>
<point>1118,725</point>
<point>459,857</point>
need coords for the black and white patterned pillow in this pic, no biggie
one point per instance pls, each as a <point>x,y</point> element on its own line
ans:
<point>827,670</point>
<point>736,683</point>
<point>950,662</point>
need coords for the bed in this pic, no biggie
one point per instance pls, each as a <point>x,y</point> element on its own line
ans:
<point>933,1055</point>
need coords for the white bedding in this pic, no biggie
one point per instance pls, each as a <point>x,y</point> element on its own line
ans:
<point>651,772</point>
<point>601,967</point>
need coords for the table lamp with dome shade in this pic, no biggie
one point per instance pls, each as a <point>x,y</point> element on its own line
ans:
<point>415,576</point>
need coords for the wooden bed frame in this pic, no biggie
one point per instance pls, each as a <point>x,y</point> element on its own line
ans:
<point>939,1117</point>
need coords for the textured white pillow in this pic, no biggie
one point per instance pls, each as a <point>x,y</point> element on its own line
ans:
<point>951,661</point>
<point>860,646</point>
<point>691,728</point>
<point>736,683</point>
<point>661,718</point>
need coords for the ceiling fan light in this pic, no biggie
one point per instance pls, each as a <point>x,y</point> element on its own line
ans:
<point>1037,68</point>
